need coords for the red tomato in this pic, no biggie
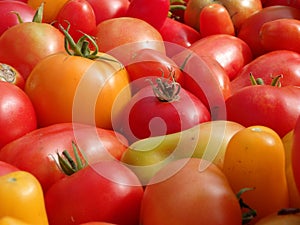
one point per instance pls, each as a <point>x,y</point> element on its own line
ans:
<point>296,153</point>
<point>149,64</point>
<point>8,8</point>
<point>177,36</point>
<point>104,191</point>
<point>294,3</point>
<point>215,19</point>
<point>122,37</point>
<point>153,12</point>
<point>18,116</point>
<point>280,34</point>
<point>160,109</point>
<point>6,168</point>
<point>27,36</point>
<point>36,151</point>
<point>268,66</point>
<point>97,223</point>
<point>11,75</point>
<point>108,9</point>
<point>83,21</point>
<point>275,107</point>
<point>190,191</point>
<point>231,52</point>
<point>249,31</point>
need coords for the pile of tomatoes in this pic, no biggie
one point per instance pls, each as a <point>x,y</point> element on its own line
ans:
<point>134,112</point>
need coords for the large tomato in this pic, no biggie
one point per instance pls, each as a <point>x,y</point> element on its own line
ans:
<point>25,44</point>
<point>103,191</point>
<point>18,116</point>
<point>37,151</point>
<point>122,37</point>
<point>184,192</point>
<point>88,88</point>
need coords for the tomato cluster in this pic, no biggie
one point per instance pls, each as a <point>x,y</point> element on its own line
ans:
<point>162,112</point>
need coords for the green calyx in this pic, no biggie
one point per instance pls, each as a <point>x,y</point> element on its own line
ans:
<point>38,16</point>
<point>259,81</point>
<point>67,164</point>
<point>250,213</point>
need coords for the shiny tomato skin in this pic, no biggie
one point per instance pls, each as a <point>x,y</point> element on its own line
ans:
<point>262,104</point>
<point>249,31</point>
<point>6,168</point>
<point>286,32</point>
<point>295,153</point>
<point>268,66</point>
<point>205,195</point>
<point>9,18</point>
<point>36,151</point>
<point>36,40</point>
<point>146,116</point>
<point>18,116</point>
<point>104,191</point>
<point>81,22</point>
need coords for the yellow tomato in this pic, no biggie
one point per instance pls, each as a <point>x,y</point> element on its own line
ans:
<point>21,197</point>
<point>255,158</point>
<point>7,220</point>
<point>294,195</point>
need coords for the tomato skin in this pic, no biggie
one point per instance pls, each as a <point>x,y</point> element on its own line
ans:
<point>296,153</point>
<point>286,32</point>
<point>6,168</point>
<point>149,12</point>
<point>204,196</point>
<point>215,19</point>
<point>37,40</point>
<point>249,31</point>
<point>294,3</point>
<point>105,191</point>
<point>146,116</point>
<point>275,219</point>
<point>36,151</point>
<point>9,19</point>
<point>14,105</point>
<point>261,105</point>
<point>84,21</point>
<point>122,37</point>
<point>268,66</point>
<point>255,158</point>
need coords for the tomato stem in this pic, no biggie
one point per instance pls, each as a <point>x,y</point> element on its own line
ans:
<point>288,211</point>
<point>251,213</point>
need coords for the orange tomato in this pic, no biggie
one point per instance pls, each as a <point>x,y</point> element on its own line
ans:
<point>280,219</point>
<point>255,158</point>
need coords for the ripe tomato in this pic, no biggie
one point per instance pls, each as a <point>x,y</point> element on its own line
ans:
<point>8,8</point>
<point>285,216</point>
<point>6,168</point>
<point>122,37</point>
<point>159,109</point>
<point>37,40</point>
<point>18,116</point>
<point>103,191</point>
<point>36,151</point>
<point>87,91</point>
<point>296,153</point>
<point>204,196</point>
<point>255,158</point>
<point>83,21</point>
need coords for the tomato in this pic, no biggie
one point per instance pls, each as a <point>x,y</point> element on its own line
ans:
<point>8,220</point>
<point>261,105</point>
<point>149,64</point>
<point>6,168</point>
<point>36,40</point>
<point>158,109</point>
<point>84,21</point>
<point>255,158</point>
<point>294,3</point>
<point>215,19</point>
<point>285,216</point>
<point>154,12</point>
<point>204,196</point>
<point>11,75</point>
<point>92,88</point>
<point>268,66</point>
<point>294,194</point>
<point>286,32</point>
<point>122,37</point>
<point>18,115</point>
<point>8,8</point>
<point>296,153</point>
<point>230,52</point>
<point>177,36</point>
<point>249,31</point>
<point>97,223</point>
<point>104,191</point>
<point>21,197</point>
<point>36,151</point>
<point>207,140</point>
<point>108,9</point>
